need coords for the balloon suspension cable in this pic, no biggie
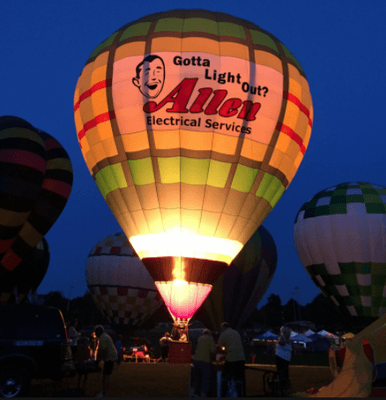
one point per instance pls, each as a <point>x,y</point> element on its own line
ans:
<point>180,326</point>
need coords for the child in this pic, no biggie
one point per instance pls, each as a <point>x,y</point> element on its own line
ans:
<point>82,360</point>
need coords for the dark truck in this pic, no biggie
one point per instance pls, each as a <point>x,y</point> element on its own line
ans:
<point>33,344</point>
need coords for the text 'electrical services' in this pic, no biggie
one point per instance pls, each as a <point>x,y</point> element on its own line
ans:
<point>208,123</point>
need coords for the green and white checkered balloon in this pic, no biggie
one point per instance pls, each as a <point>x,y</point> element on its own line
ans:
<point>340,237</point>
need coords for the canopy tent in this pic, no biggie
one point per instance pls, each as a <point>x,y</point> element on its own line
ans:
<point>316,336</point>
<point>309,332</point>
<point>323,333</point>
<point>266,336</point>
<point>293,333</point>
<point>318,344</point>
<point>301,338</point>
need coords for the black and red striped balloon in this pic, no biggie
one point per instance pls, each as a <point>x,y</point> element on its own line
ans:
<point>35,183</point>
<point>27,277</point>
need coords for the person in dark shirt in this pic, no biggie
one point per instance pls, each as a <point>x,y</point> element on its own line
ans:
<point>164,342</point>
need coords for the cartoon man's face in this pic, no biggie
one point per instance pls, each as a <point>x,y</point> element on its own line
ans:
<point>150,77</point>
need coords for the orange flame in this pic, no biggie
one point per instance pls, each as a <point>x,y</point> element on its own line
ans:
<point>179,269</point>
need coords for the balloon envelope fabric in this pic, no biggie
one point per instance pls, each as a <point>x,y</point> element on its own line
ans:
<point>240,288</point>
<point>192,123</point>
<point>119,283</point>
<point>27,276</point>
<point>340,237</point>
<point>35,183</point>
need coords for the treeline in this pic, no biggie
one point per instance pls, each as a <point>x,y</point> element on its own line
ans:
<point>81,308</point>
<point>85,311</point>
<point>272,315</point>
<point>321,311</point>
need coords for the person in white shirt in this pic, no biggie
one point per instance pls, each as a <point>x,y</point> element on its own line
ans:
<point>106,353</point>
<point>183,337</point>
<point>283,358</point>
<point>72,333</point>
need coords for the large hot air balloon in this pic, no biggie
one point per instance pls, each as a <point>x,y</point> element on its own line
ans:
<point>192,124</point>
<point>242,285</point>
<point>27,276</point>
<point>119,283</point>
<point>340,237</point>
<point>35,183</point>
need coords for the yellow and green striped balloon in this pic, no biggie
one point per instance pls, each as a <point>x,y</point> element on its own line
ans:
<point>193,124</point>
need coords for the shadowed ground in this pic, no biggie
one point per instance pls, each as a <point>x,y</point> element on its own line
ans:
<point>165,380</point>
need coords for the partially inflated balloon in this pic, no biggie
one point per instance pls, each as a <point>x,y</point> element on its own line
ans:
<point>340,237</point>
<point>35,183</point>
<point>240,288</point>
<point>119,283</point>
<point>193,124</point>
<point>27,276</point>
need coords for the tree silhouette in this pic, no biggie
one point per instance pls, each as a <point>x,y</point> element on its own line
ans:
<point>84,309</point>
<point>273,312</point>
<point>55,298</point>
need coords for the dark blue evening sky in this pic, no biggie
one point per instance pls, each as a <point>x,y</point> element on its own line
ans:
<point>340,45</point>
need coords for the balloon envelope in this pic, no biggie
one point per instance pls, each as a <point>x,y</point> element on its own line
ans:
<point>340,237</point>
<point>243,284</point>
<point>119,283</point>
<point>193,124</point>
<point>27,276</point>
<point>35,183</point>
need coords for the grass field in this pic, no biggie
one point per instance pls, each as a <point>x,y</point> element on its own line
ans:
<point>172,380</point>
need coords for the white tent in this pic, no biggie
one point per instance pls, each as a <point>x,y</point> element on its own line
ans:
<point>266,336</point>
<point>269,334</point>
<point>309,332</point>
<point>323,333</point>
<point>293,333</point>
<point>301,338</point>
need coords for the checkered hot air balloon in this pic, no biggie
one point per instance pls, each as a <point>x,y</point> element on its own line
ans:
<point>27,276</point>
<point>192,124</point>
<point>340,237</point>
<point>35,183</point>
<point>119,283</point>
<point>242,285</point>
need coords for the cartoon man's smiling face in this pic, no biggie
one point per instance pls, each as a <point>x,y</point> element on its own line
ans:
<point>150,76</point>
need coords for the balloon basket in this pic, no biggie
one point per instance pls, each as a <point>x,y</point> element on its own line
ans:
<point>180,353</point>
<point>180,325</point>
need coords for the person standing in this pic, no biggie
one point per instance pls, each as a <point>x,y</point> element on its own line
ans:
<point>202,363</point>
<point>164,342</point>
<point>283,358</point>
<point>183,336</point>
<point>119,348</point>
<point>81,358</point>
<point>72,333</point>
<point>94,345</point>
<point>234,366</point>
<point>106,353</point>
